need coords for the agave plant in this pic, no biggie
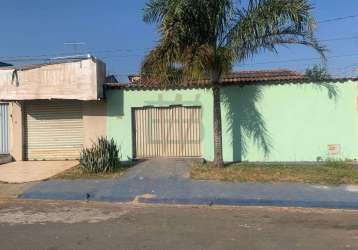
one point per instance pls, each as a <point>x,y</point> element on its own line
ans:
<point>102,157</point>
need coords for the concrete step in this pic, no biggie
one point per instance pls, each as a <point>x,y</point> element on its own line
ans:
<point>5,159</point>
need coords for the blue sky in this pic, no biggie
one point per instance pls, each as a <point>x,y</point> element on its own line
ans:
<point>113,31</point>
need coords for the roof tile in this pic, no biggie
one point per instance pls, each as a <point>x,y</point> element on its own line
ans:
<point>277,76</point>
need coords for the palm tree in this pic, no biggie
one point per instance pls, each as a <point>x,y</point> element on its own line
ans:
<point>205,38</point>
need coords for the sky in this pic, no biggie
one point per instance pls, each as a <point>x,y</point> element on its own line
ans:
<point>113,30</point>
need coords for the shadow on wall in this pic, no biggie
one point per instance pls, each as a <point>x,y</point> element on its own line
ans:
<point>245,121</point>
<point>115,107</point>
<point>332,90</point>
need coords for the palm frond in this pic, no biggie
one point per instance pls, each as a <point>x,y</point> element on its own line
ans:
<point>155,10</point>
<point>206,37</point>
<point>160,67</point>
<point>267,24</point>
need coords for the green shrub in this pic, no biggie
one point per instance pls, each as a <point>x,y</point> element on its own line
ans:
<point>102,157</point>
<point>336,163</point>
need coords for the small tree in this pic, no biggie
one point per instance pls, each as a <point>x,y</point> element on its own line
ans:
<point>205,38</point>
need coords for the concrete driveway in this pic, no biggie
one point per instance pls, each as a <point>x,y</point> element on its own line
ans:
<point>160,169</point>
<point>30,171</point>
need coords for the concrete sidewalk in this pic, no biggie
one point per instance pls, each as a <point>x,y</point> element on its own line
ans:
<point>30,171</point>
<point>152,182</point>
<point>11,191</point>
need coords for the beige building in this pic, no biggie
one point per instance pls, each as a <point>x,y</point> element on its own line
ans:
<point>55,109</point>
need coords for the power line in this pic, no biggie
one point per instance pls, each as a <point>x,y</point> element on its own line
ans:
<point>266,62</point>
<point>338,19</point>
<point>41,57</point>
<point>299,60</point>
<point>113,51</point>
<point>48,56</point>
<point>350,69</point>
<point>148,49</point>
<point>339,39</point>
<point>322,40</point>
<point>120,50</point>
<point>245,64</point>
<point>303,59</point>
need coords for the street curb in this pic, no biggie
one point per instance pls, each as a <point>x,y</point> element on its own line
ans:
<point>254,202</point>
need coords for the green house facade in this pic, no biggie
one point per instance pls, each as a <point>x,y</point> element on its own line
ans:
<point>285,121</point>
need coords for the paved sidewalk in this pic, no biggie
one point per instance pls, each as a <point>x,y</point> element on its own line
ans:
<point>167,182</point>
<point>29,171</point>
<point>11,191</point>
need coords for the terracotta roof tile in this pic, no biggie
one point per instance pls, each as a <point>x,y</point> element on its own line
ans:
<point>278,76</point>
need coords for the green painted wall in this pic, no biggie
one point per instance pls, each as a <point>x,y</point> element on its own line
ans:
<point>121,102</point>
<point>289,122</point>
<point>292,122</point>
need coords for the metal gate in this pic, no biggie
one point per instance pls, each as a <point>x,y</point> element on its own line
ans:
<point>4,128</point>
<point>167,132</point>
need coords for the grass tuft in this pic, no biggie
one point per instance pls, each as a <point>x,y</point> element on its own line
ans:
<point>328,173</point>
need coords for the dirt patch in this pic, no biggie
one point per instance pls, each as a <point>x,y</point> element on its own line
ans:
<point>64,214</point>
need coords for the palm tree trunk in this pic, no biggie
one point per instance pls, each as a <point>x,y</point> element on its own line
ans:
<point>218,147</point>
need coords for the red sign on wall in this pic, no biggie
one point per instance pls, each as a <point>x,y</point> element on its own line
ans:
<point>334,149</point>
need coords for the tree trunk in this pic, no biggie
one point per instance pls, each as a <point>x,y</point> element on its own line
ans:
<point>218,147</point>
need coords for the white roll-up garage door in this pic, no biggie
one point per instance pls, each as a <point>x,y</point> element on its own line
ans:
<point>53,130</point>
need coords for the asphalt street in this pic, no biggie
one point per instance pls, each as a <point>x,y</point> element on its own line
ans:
<point>92,225</point>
